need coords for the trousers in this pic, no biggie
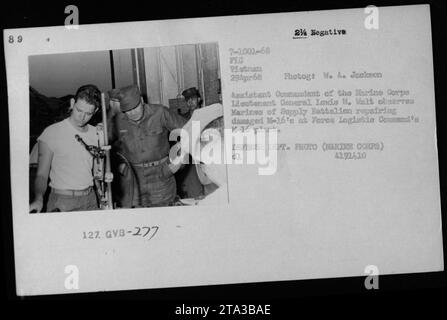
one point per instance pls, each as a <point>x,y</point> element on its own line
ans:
<point>148,187</point>
<point>66,203</point>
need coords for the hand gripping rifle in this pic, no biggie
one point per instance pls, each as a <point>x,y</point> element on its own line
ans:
<point>102,173</point>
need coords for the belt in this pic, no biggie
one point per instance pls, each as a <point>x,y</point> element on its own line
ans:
<point>150,164</point>
<point>73,193</point>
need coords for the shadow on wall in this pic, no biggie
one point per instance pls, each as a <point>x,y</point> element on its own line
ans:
<point>45,111</point>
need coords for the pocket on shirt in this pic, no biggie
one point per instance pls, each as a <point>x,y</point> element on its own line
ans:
<point>155,131</point>
<point>154,138</point>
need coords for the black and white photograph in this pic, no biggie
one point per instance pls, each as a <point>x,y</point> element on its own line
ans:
<point>135,97</point>
<point>261,152</point>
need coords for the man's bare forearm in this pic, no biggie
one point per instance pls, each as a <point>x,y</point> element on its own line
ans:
<point>40,187</point>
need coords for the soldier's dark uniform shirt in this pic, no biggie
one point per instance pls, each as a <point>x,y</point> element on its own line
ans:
<point>147,141</point>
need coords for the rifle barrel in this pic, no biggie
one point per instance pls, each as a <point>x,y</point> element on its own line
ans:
<point>106,143</point>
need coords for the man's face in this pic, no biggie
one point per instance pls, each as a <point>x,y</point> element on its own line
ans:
<point>136,113</point>
<point>193,103</point>
<point>82,112</point>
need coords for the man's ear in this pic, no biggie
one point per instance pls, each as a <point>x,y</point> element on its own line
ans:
<point>72,102</point>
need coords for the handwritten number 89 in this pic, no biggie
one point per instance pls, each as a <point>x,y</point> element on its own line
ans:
<point>11,39</point>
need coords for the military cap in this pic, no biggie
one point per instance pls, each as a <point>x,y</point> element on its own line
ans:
<point>130,97</point>
<point>190,93</point>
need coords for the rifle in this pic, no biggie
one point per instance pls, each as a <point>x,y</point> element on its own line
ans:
<point>102,173</point>
<point>108,175</point>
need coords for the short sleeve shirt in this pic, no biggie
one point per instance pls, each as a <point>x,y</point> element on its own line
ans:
<point>71,167</point>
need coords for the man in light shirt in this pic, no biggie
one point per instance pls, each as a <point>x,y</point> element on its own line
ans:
<point>65,160</point>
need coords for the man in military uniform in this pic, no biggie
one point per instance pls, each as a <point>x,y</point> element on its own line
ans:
<point>140,135</point>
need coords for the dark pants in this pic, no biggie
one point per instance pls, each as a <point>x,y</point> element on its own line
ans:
<point>188,183</point>
<point>152,187</point>
<point>65,203</point>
